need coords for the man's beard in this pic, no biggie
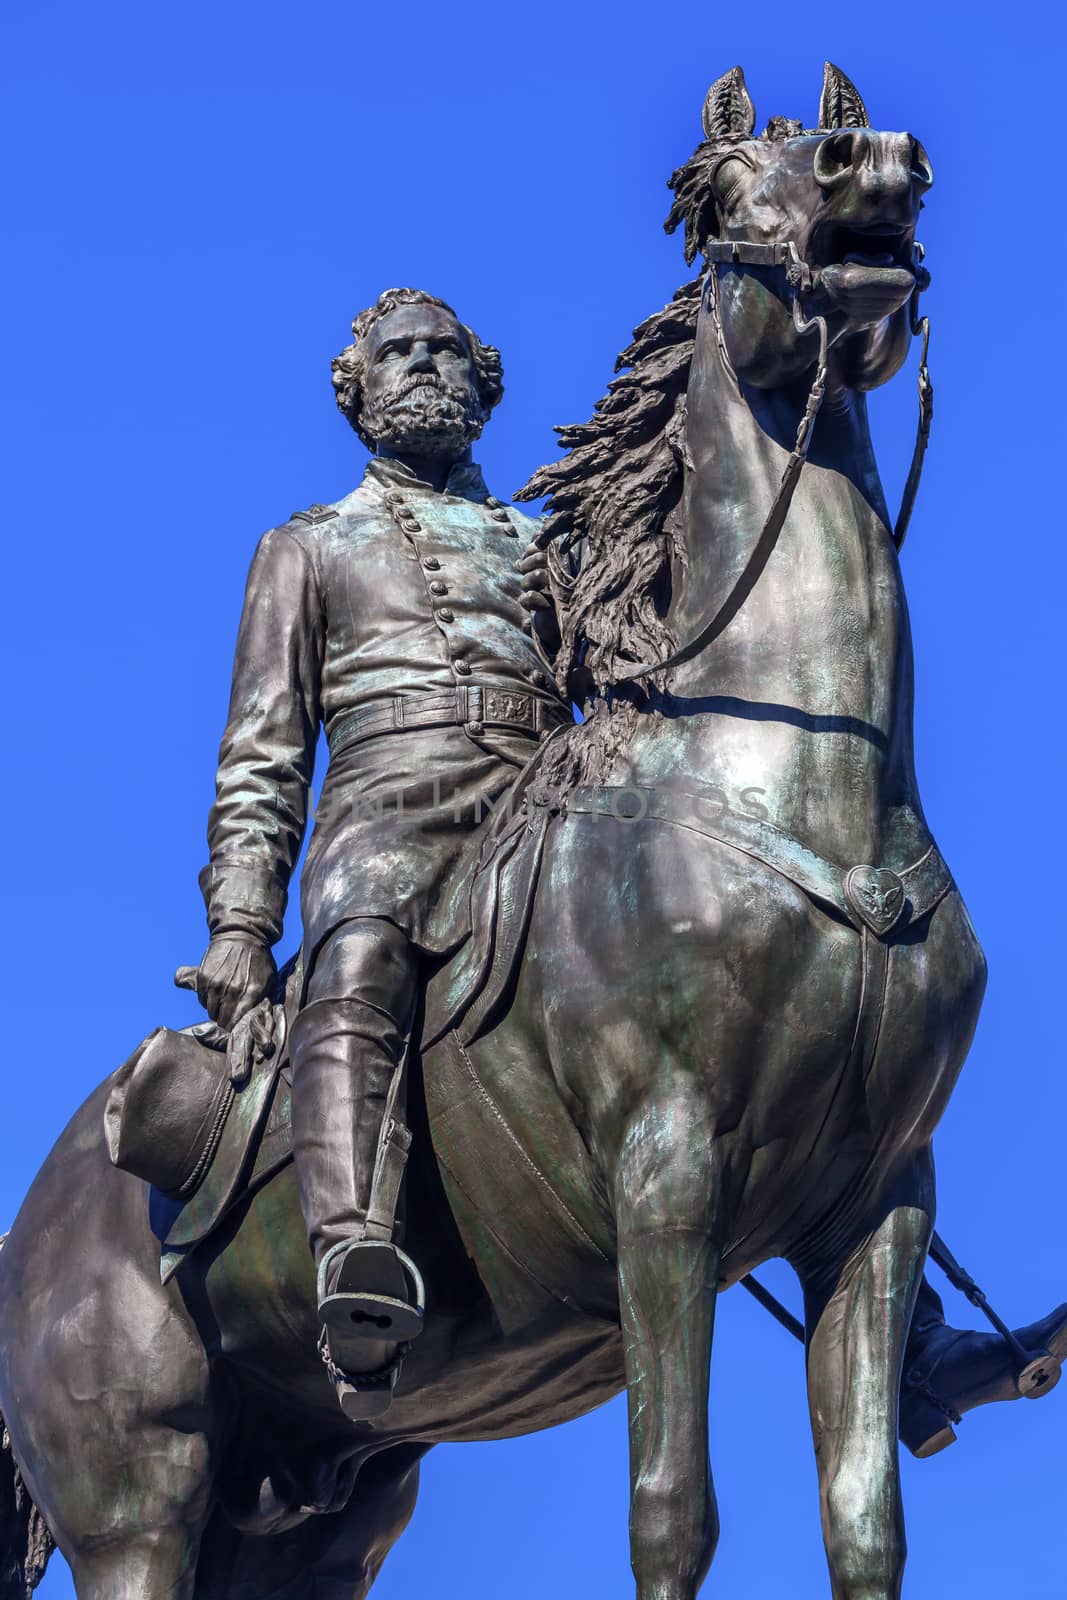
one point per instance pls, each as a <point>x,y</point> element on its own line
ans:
<point>424,417</point>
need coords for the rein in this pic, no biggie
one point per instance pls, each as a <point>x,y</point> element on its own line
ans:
<point>732,252</point>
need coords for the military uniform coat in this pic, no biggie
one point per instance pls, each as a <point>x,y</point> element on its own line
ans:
<point>395,591</point>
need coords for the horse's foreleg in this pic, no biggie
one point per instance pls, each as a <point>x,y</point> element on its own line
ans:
<point>667,1202</point>
<point>858,1325</point>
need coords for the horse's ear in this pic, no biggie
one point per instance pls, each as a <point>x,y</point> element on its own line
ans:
<point>729,108</point>
<point>840,105</point>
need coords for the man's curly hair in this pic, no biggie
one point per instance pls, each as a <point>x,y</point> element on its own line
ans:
<point>348,368</point>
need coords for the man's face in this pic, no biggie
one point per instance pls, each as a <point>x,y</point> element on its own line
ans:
<point>419,391</point>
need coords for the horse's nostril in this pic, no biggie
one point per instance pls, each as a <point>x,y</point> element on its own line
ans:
<point>921,170</point>
<point>835,158</point>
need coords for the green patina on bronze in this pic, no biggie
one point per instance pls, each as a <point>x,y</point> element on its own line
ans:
<point>722,1029</point>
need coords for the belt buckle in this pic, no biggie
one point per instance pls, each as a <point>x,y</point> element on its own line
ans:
<point>503,705</point>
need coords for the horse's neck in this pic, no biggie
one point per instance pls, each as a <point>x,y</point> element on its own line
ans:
<point>803,706</point>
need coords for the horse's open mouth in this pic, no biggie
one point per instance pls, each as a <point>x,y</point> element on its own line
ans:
<point>833,244</point>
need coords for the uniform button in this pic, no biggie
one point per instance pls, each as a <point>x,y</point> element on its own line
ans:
<point>409,525</point>
<point>395,502</point>
<point>491,501</point>
<point>437,587</point>
<point>444,615</point>
<point>539,680</point>
<point>432,564</point>
<point>462,666</point>
<point>499,516</point>
<point>475,728</point>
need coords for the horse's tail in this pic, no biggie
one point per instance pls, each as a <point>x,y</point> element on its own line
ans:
<point>25,1542</point>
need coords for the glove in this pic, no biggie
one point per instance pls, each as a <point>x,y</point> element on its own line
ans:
<point>236,972</point>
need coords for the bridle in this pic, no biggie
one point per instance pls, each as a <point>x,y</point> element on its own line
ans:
<point>799,277</point>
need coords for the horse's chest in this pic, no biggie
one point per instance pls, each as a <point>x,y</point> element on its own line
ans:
<point>798,1028</point>
<point>875,1060</point>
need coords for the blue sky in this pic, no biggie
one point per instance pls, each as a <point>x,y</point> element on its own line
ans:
<point>198,199</point>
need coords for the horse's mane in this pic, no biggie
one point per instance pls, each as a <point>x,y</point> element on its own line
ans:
<point>613,494</point>
<point>612,514</point>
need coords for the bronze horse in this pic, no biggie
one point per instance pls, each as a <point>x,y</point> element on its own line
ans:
<point>748,987</point>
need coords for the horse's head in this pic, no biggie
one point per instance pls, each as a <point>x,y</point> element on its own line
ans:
<point>827,214</point>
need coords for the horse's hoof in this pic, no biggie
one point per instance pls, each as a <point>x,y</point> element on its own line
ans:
<point>924,1427</point>
<point>956,1372</point>
<point>938,1441</point>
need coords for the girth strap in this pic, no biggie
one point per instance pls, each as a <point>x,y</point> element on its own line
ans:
<point>875,981</point>
<point>872,898</point>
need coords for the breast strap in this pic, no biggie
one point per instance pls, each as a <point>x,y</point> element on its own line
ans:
<point>874,899</point>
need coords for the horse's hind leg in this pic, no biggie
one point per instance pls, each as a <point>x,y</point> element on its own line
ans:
<point>139,1517</point>
<point>858,1319</point>
<point>117,1436</point>
<point>667,1203</point>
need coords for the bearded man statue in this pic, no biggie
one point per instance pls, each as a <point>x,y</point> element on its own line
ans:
<point>410,620</point>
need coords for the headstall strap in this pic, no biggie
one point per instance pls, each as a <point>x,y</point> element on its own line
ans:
<point>772,527</point>
<point>741,252</point>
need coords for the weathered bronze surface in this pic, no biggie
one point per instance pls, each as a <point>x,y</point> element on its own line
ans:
<point>719,987</point>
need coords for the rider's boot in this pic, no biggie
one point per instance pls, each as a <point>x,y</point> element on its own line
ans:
<point>344,1055</point>
<point>949,1371</point>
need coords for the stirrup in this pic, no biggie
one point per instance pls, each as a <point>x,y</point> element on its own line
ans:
<point>377,1293</point>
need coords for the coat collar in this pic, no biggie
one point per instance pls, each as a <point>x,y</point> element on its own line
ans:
<point>465,480</point>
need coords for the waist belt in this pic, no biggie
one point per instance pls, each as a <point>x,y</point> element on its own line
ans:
<point>474,707</point>
<point>874,899</point>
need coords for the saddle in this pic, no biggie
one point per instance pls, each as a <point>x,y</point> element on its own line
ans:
<point>205,1117</point>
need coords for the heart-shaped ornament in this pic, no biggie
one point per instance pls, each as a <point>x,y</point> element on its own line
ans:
<point>876,895</point>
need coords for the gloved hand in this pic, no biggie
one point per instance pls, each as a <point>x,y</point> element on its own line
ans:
<point>536,596</point>
<point>236,972</point>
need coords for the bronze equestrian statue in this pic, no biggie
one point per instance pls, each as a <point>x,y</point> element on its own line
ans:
<point>718,984</point>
